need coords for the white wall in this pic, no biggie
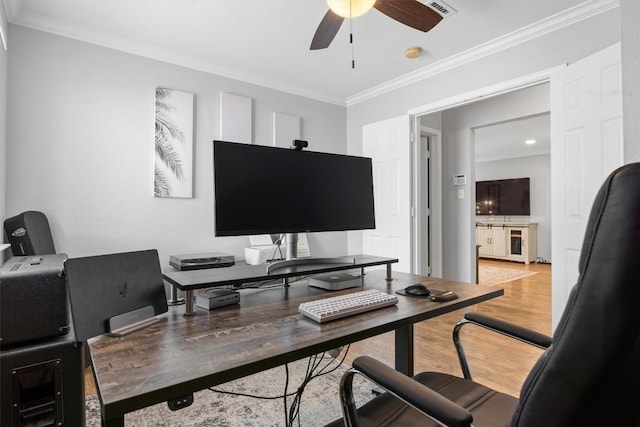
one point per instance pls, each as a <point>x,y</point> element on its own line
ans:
<point>630,29</point>
<point>3,119</point>
<point>554,49</point>
<point>538,170</point>
<point>3,131</point>
<point>81,141</point>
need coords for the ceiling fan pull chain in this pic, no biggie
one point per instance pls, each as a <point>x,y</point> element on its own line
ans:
<point>353,60</point>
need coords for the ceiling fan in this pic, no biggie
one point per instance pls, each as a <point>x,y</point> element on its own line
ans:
<point>412,13</point>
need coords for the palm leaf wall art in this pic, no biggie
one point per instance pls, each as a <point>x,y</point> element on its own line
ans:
<point>173,165</point>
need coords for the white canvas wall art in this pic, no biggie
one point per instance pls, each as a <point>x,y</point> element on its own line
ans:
<point>235,118</point>
<point>173,165</point>
<point>286,128</point>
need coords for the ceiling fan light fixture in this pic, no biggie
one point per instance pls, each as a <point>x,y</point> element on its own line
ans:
<point>350,8</point>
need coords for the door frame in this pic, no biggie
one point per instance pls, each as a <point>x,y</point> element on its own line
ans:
<point>476,95</point>
<point>419,205</point>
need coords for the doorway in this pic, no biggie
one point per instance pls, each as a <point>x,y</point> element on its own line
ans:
<point>579,165</point>
<point>457,124</point>
<point>427,210</point>
<point>516,149</point>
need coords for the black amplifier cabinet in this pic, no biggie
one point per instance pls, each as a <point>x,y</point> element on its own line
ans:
<point>42,385</point>
<point>33,299</point>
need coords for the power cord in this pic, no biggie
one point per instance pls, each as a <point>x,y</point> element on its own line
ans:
<point>314,370</point>
<point>313,364</point>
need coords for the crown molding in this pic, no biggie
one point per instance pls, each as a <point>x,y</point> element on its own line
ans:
<point>500,88</point>
<point>545,26</point>
<point>13,8</point>
<point>152,52</point>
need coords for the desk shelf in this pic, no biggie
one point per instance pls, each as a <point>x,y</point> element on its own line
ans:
<point>240,273</point>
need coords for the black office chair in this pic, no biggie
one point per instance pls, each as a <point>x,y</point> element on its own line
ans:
<point>589,374</point>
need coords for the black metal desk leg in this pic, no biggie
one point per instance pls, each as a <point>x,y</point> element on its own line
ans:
<point>188,309</point>
<point>389,276</point>
<point>174,300</point>
<point>113,422</point>
<point>404,350</point>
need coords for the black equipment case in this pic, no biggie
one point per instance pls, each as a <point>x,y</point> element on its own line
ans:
<point>33,299</point>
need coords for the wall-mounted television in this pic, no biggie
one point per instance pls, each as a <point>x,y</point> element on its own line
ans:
<point>269,190</point>
<point>503,197</point>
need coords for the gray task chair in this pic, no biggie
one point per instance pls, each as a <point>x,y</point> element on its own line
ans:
<point>589,374</point>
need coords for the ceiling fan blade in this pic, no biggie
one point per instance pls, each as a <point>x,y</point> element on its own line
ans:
<point>326,31</point>
<point>410,12</point>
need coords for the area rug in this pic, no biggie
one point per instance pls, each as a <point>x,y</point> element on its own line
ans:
<point>319,404</point>
<point>489,275</point>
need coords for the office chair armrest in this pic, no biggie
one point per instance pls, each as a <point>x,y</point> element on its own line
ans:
<point>500,326</point>
<point>511,330</point>
<point>413,393</point>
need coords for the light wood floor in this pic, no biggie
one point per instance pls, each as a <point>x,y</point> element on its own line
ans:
<point>496,361</point>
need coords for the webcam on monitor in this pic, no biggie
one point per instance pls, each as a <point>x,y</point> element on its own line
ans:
<point>299,144</point>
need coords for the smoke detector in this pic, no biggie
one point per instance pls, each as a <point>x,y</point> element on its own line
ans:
<point>413,52</point>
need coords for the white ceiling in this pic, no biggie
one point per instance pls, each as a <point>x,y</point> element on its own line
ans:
<point>507,140</point>
<point>267,41</point>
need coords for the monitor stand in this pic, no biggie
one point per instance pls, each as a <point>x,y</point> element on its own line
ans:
<point>292,246</point>
<point>292,261</point>
<point>309,261</point>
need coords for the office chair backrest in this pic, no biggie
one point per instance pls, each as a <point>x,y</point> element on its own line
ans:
<point>593,366</point>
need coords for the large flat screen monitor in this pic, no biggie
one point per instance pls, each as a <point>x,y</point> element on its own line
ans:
<point>269,190</point>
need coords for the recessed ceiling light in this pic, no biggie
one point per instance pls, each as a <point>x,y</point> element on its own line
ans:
<point>530,141</point>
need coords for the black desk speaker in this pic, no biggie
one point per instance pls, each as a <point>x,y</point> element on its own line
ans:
<point>29,234</point>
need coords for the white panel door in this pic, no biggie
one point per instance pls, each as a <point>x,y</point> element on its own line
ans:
<point>586,145</point>
<point>388,145</point>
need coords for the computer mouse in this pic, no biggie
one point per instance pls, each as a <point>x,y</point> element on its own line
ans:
<point>418,289</point>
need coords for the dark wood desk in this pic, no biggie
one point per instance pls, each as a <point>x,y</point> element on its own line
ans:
<point>184,354</point>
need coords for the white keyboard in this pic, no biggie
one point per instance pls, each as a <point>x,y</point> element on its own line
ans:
<point>327,309</point>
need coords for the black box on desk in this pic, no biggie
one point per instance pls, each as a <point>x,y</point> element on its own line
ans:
<point>33,299</point>
<point>336,281</point>
<point>214,298</point>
